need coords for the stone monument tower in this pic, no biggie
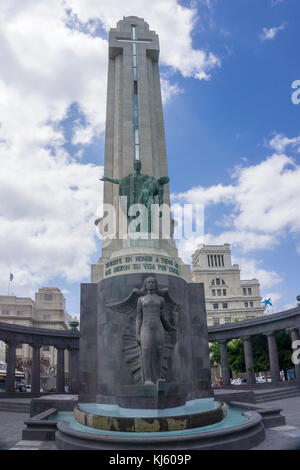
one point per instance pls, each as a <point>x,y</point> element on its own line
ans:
<point>143,340</point>
<point>135,138</point>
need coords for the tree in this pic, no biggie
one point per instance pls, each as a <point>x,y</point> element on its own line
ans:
<point>25,365</point>
<point>284,346</point>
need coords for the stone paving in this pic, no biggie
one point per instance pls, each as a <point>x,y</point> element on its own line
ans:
<point>11,427</point>
<point>284,437</point>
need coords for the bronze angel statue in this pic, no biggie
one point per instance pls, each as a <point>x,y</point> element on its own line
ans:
<point>151,333</point>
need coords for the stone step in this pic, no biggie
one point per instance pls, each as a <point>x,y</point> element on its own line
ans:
<point>281,391</point>
<point>277,395</point>
<point>14,406</point>
<point>281,394</point>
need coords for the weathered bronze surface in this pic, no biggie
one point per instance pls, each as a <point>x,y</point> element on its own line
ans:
<point>151,321</point>
<point>152,333</point>
<point>140,189</point>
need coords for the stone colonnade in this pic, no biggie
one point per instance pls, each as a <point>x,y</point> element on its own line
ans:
<point>68,340</point>
<point>248,355</point>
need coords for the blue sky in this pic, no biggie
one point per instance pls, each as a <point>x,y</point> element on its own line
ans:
<point>232,133</point>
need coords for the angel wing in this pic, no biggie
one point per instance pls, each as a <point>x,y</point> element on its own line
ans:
<point>128,305</point>
<point>172,306</point>
<point>172,311</point>
<point>130,348</point>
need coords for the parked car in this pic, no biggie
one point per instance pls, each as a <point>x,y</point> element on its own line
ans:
<point>20,387</point>
<point>260,380</point>
<point>236,381</point>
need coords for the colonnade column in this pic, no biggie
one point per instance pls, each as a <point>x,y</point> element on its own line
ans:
<point>60,370</point>
<point>11,367</point>
<point>296,337</point>
<point>74,370</point>
<point>224,362</point>
<point>249,360</point>
<point>273,357</point>
<point>36,368</point>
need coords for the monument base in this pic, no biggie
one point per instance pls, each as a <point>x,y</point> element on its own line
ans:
<point>110,356</point>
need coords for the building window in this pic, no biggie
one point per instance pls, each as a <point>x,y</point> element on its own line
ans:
<point>46,348</point>
<point>224,291</point>
<point>223,282</point>
<point>213,292</point>
<point>225,305</point>
<point>133,31</point>
<point>251,304</point>
<point>246,304</point>
<point>219,291</point>
<point>48,297</point>
<point>5,312</point>
<point>20,313</point>
<point>244,291</point>
<point>215,306</point>
<point>249,291</point>
<point>227,319</point>
<point>218,281</point>
<point>216,321</point>
<point>208,261</point>
<point>213,282</point>
<point>222,258</point>
<point>47,316</point>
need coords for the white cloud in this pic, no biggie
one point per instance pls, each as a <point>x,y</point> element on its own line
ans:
<point>290,306</point>
<point>270,33</point>
<point>164,16</point>
<point>47,199</point>
<point>252,269</point>
<point>280,143</point>
<point>46,220</point>
<point>276,2</point>
<point>275,296</point>
<point>263,204</point>
<point>169,90</point>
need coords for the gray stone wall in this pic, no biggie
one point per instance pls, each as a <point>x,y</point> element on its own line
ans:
<point>103,364</point>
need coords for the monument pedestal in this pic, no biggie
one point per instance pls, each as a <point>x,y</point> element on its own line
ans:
<point>110,370</point>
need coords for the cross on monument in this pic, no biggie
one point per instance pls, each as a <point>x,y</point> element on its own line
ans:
<point>134,41</point>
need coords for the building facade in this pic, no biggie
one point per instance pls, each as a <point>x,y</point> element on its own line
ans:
<point>47,310</point>
<point>228,298</point>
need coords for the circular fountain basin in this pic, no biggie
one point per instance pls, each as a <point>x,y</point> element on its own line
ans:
<point>240,429</point>
<point>194,414</point>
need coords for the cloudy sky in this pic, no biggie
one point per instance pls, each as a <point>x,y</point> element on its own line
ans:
<point>232,130</point>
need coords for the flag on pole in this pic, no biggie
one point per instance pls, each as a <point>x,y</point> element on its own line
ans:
<point>11,276</point>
